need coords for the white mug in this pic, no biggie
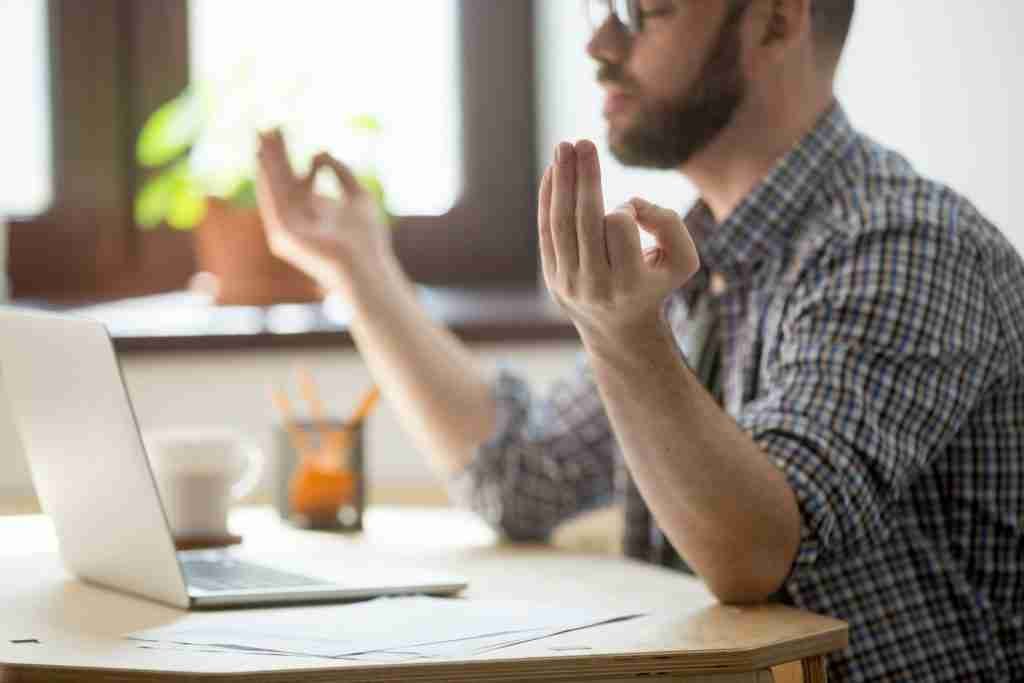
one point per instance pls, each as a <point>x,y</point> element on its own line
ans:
<point>199,472</point>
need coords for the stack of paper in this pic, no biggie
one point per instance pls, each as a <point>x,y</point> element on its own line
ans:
<point>385,629</point>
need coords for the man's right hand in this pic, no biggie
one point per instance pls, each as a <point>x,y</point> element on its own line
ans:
<point>329,239</point>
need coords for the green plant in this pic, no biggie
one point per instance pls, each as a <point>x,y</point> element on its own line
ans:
<point>199,145</point>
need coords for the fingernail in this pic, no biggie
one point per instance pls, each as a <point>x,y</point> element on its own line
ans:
<point>585,149</point>
<point>565,153</point>
<point>557,153</point>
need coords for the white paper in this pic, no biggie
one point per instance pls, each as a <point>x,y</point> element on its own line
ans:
<point>415,627</point>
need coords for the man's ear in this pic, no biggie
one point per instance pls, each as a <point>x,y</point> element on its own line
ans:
<point>787,22</point>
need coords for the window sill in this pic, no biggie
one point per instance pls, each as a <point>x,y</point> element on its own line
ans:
<point>184,321</point>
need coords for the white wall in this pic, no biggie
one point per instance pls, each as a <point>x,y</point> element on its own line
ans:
<point>231,389</point>
<point>938,80</point>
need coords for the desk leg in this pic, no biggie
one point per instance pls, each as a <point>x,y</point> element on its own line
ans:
<point>814,670</point>
<point>810,670</point>
<point>763,676</point>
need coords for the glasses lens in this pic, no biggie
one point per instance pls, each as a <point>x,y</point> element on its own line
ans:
<point>625,12</point>
<point>628,12</point>
<point>598,12</point>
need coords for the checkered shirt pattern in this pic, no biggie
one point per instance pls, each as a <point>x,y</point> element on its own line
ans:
<point>872,340</point>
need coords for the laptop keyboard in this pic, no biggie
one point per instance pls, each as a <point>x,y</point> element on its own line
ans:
<point>226,574</point>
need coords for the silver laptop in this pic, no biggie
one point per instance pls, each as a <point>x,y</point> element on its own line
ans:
<point>70,405</point>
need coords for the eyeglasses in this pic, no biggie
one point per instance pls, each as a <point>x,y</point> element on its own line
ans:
<point>625,12</point>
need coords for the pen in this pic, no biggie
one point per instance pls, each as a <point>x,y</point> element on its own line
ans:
<point>312,396</point>
<point>339,440</point>
<point>296,435</point>
<point>366,405</point>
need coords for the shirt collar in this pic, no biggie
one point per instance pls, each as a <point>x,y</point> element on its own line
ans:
<point>761,226</point>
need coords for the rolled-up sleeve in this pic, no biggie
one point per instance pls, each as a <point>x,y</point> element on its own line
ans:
<point>886,345</point>
<point>548,459</point>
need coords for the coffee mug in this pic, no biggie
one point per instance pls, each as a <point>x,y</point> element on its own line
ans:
<point>199,473</point>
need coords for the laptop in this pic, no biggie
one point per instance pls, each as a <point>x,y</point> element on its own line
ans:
<point>69,403</point>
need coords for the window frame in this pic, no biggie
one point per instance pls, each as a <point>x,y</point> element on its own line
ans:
<point>113,62</point>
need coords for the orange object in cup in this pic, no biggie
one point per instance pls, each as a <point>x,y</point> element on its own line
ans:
<point>317,491</point>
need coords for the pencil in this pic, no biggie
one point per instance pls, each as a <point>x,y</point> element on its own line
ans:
<point>312,396</point>
<point>296,435</point>
<point>367,404</point>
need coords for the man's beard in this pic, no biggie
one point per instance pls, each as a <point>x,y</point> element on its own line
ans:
<point>668,135</point>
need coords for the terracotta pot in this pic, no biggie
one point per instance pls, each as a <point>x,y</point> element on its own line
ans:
<point>238,268</point>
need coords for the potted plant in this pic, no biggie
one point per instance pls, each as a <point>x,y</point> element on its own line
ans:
<point>200,150</point>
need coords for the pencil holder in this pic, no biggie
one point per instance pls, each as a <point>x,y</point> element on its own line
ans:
<point>324,486</point>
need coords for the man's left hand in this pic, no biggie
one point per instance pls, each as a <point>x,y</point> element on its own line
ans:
<point>593,263</point>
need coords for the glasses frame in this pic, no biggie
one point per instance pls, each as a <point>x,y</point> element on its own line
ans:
<point>626,13</point>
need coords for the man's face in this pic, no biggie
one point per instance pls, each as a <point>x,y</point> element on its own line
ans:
<point>673,86</point>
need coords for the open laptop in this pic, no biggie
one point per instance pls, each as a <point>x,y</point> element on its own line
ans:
<point>92,476</point>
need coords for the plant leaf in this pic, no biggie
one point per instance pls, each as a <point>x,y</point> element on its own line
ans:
<point>153,200</point>
<point>244,194</point>
<point>365,123</point>
<point>170,130</point>
<point>188,206</point>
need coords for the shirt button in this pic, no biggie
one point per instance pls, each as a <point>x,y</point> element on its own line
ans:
<point>718,283</point>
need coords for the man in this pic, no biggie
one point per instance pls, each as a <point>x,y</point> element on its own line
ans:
<point>853,444</point>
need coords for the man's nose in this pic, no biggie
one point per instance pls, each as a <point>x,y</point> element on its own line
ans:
<point>610,42</point>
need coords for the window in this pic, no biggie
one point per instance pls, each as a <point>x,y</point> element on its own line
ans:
<point>334,62</point>
<point>26,183</point>
<point>466,202</point>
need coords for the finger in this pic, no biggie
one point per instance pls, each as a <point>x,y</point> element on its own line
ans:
<point>547,246</point>
<point>267,199</point>
<point>623,241</point>
<point>675,246</point>
<point>306,191</point>
<point>273,156</point>
<point>563,210</point>
<point>590,212</point>
<point>349,183</point>
<point>309,179</point>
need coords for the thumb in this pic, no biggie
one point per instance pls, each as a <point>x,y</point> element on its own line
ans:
<point>675,246</point>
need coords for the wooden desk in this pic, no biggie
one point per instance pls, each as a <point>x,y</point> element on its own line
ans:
<point>687,637</point>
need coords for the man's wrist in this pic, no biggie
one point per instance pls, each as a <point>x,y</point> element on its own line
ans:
<point>628,349</point>
<point>361,274</point>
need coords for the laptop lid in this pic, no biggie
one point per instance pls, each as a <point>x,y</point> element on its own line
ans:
<point>69,403</point>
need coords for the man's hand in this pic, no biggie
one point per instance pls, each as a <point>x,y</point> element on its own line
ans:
<point>326,238</point>
<point>593,263</point>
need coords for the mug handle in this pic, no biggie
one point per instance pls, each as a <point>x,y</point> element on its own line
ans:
<point>253,469</point>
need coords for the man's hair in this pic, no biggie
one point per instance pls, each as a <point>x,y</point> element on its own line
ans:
<point>831,23</point>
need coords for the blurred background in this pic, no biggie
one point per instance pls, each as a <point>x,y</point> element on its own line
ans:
<point>123,117</point>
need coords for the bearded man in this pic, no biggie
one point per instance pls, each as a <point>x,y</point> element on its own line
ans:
<point>810,390</point>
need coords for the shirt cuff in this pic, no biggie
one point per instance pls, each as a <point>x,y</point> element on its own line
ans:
<point>799,458</point>
<point>512,397</point>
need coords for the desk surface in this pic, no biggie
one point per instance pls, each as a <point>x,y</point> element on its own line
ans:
<point>80,627</point>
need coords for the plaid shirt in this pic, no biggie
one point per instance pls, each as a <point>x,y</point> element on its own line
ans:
<point>872,337</point>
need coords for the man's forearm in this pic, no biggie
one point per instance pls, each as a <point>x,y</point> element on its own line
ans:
<point>442,395</point>
<point>724,506</point>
